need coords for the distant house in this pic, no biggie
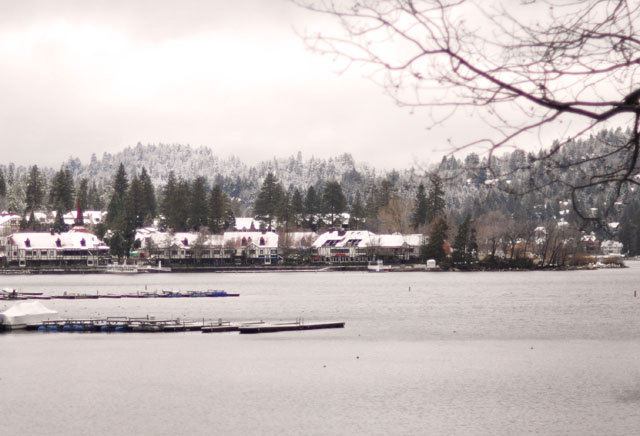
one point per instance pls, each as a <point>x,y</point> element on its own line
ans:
<point>190,247</point>
<point>246,224</point>
<point>75,247</point>
<point>9,223</point>
<point>363,246</point>
<point>89,217</point>
<point>610,247</point>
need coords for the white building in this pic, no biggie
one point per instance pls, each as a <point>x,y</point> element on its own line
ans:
<point>610,247</point>
<point>230,247</point>
<point>363,246</point>
<point>75,247</point>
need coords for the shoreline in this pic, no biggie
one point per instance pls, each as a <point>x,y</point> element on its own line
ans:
<point>285,269</point>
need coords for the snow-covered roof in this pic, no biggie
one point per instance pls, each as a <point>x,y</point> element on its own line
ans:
<point>393,240</point>
<point>6,218</point>
<point>245,223</point>
<point>89,216</point>
<point>75,238</point>
<point>414,239</point>
<point>189,239</point>
<point>266,239</point>
<point>610,244</point>
<point>365,238</point>
<point>334,238</point>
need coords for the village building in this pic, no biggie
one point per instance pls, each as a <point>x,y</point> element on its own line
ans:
<point>360,246</point>
<point>75,247</point>
<point>611,248</point>
<point>206,249</point>
<point>247,224</point>
<point>9,224</point>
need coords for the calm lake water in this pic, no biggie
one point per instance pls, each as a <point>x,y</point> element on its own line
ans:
<point>508,353</point>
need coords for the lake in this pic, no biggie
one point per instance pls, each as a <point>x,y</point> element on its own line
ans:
<point>487,353</point>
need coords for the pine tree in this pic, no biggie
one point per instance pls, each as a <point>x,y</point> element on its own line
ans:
<point>435,248</point>
<point>333,200</point>
<point>419,216</point>
<point>148,197</point>
<point>35,189</point>
<point>3,185</point>
<point>435,200</point>
<point>116,208</point>
<point>177,217</point>
<point>168,195</point>
<point>371,208</point>
<point>268,200</point>
<point>464,244</point>
<point>58,222</point>
<point>33,223</point>
<point>83,194</point>
<point>134,206</point>
<point>198,207</point>
<point>297,207</point>
<point>284,211</point>
<point>61,195</point>
<point>385,193</point>
<point>311,207</point>
<point>217,208</point>
<point>357,213</point>
<point>94,201</point>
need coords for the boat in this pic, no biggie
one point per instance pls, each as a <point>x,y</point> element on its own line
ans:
<point>21,314</point>
<point>213,293</point>
<point>288,326</point>
<point>117,268</point>
<point>378,266</point>
<point>154,269</point>
<point>12,294</point>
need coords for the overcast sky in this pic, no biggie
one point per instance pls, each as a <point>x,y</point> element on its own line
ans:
<point>82,77</point>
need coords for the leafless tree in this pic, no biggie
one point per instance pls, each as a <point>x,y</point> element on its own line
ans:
<point>395,216</point>
<point>490,229</point>
<point>527,68</point>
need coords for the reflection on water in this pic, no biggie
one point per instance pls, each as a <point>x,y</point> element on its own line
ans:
<point>422,353</point>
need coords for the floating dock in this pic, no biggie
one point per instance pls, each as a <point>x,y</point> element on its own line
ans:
<point>121,324</point>
<point>76,296</point>
<point>289,326</point>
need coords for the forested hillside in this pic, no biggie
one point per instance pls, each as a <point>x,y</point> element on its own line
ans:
<point>531,187</point>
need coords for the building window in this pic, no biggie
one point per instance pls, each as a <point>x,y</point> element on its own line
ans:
<point>261,241</point>
<point>58,243</point>
<point>83,242</point>
<point>27,242</point>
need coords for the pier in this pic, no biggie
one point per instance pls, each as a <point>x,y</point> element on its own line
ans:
<point>123,324</point>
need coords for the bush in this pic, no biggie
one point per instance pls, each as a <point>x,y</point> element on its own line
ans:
<point>580,259</point>
<point>612,260</point>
